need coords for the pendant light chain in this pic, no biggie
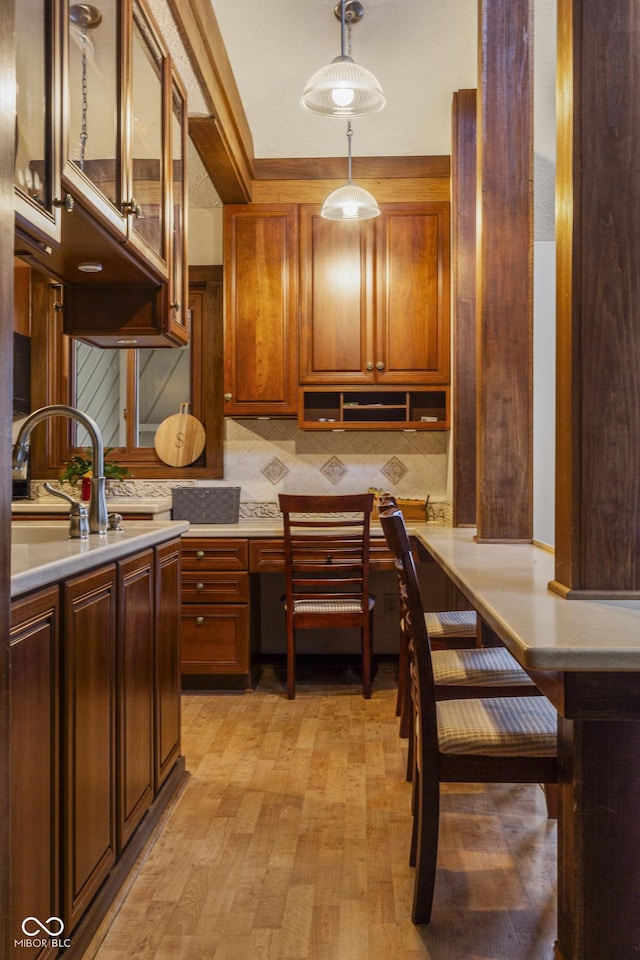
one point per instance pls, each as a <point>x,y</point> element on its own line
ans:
<point>84,135</point>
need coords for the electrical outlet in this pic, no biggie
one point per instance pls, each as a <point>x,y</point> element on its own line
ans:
<point>390,604</point>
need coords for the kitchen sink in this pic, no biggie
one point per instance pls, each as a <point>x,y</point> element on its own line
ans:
<point>26,533</point>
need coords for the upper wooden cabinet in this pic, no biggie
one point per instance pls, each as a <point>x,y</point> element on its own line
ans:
<point>261,257</point>
<point>38,199</point>
<point>374,297</point>
<point>115,150</point>
<point>102,127</point>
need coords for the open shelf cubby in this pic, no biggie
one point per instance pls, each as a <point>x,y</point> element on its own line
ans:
<point>383,408</point>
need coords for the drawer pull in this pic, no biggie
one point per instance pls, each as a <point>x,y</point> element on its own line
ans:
<point>199,621</point>
<point>200,554</point>
<point>200,586</point>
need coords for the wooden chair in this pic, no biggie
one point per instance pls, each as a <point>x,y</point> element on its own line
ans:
<point>460,668</point>
<point>326,541</point>
<point>474,740</point>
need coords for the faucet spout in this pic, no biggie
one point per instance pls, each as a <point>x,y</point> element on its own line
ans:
<point>98,522</point>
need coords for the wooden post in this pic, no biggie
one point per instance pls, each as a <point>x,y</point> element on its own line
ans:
<point>598,300</point>
<point>463,277</point>
<point>505,273</point>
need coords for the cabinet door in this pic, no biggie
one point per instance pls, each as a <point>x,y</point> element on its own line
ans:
<point>146,193</point>
<point>167,660</point>
<point>95,121</point>
<point>261,255</point>
<point>89,821</point>
<point>135,682</point>
<point>38,117</point>
<point>34,704</point>
<point>215,639</point>
<point>336,300</point>
<point>178,313</point>
<point>412,295</point>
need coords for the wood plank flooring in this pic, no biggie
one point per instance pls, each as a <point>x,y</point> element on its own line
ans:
<point>290,842</point>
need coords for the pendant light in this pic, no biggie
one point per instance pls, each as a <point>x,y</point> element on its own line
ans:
<point>350,202</point>
<point>343,89</point>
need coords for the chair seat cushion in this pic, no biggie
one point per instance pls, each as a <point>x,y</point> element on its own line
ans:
<point>498,726</point>
<point>451,623</point>
<point>488,667</point>
<point>328,606</point>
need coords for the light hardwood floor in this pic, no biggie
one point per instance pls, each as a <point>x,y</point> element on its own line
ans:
<point>290,842</point>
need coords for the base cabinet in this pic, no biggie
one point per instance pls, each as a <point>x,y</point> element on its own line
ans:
<point>89,783</point>
<point>95,739</point>
<point>34,751</point>
<point>215,627</point>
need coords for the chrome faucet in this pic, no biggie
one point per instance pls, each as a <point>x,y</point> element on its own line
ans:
<point>98,522</point>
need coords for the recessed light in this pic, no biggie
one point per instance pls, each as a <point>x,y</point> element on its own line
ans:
<point>90,267</point>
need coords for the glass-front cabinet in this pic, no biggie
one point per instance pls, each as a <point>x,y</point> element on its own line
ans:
<point>38,202</point>
<point>115,135</point>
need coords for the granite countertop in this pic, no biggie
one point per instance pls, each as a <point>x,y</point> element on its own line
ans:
<point>42,553</point>
<point>508,586</point>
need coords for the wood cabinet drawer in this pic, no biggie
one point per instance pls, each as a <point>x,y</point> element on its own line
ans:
<point>266,556</point>
<point>215,586</point>
<point>215,639</point>
<point>213,554</point>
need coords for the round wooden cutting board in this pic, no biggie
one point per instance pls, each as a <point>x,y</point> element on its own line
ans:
<point>180,439</point>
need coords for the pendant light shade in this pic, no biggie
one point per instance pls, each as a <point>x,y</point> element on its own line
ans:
<point>343,89</point>
<point>350,202</point>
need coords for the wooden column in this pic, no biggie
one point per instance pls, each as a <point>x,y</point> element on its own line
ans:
<point>598,300</point>
<point>7,138</point>
<point>463,277</point>
<point>505,276</point>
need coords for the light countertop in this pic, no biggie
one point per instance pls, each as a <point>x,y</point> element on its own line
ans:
<point>508,586</point>
<point>159,507</point>
<point>41,553</point>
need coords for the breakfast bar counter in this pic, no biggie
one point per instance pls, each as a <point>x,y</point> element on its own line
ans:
<point>585,657</point>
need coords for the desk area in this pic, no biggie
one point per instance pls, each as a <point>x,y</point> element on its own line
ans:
<point>585,657</point>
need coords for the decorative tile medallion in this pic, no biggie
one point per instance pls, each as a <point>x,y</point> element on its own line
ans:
<point>394,470</point>
<point>334,470</point>
<point>275,470</point>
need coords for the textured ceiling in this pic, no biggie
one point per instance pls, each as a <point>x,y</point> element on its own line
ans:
<point>421,51</point>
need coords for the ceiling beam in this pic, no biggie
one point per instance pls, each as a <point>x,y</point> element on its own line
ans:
<point>222,139</point>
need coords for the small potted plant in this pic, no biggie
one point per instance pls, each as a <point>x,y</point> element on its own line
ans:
<point>78,470</point>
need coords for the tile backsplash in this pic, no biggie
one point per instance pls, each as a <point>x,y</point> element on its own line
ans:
<point>268,457</point>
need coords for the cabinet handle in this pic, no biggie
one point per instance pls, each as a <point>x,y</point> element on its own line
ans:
<point>199,621</point>
<point>379,365</point>
<point>67,202</point>
<point>200,554</point>
<point>228,396</point>
<point>132,209</point>
<point>175,306</point>
<point>200,586</point>
<point>369,365</point>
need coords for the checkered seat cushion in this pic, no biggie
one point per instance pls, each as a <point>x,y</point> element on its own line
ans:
<point>488,667</point>
<point>498,726</point>
<point>451,623</point>
<point>329,606</point>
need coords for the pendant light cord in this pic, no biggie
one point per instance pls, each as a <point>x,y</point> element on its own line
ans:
<point>349,136</point>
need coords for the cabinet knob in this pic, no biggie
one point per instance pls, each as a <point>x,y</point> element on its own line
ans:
<point>200,554</point>
<point>199,621</point>
<point>228,396</point>
<point>200,585</point>
<point>379,365</point>
<point>175,306</point>
<point>369,365</point>
<point>67,202</point>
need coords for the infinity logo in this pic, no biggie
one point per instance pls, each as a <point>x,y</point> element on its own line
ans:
<point>39,925</point>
